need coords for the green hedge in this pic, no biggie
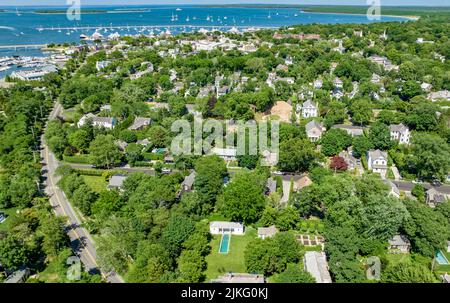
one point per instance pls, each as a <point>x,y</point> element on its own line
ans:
<point>155,157</point>
<point>81,159</point>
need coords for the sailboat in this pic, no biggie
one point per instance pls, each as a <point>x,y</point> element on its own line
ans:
<point>187,19</point>
<point>208,18</point>
<point>173,18</point>
<point>17,13</point>
<point>178,9</point>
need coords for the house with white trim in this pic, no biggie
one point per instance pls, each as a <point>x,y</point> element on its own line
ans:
<point>224,227</point>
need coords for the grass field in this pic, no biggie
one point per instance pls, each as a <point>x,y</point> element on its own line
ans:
<point>10,213</point>
<point>219,264</point>
<point>96,183</point>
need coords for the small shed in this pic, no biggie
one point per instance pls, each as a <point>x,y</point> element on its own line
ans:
<point>267,232</point>
<point>116,182</point>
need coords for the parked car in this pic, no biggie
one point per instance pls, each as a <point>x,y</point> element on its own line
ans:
<point>277,172</point>
<point>166,170</point>
<point>436,183</point>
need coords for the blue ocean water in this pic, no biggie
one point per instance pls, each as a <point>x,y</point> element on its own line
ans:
<point>23,26</point>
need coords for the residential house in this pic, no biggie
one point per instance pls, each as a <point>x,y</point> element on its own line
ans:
<point>144,142</point>
<point>282,67</point>
<point>139,123</point>
<point>314,130</point>
<point>383,61</point>
<point>399,244</point>
<point>352,130</point>
<point>310,109</point>
<point>301,183</point>
<point>400,133</point>
<point>116,182</point>
<point>377,161</point>
<point>267,232</point>
<point>99,65</point>
<point>338,83</point>
<point>121,144</point>
<point>436,96</point>
<point>426,87</point>
<point>223,227</point>
<point>188,182</point>
<point>315,263</point>
<point>228,154</point>
<point>222,91</point>
<point>434,197</point>
<point>376,79</point>
<point>240,278</point>
<point>337,93</point>
<point>317,84</point>
<point>106,122</point>
<point>351,161</point>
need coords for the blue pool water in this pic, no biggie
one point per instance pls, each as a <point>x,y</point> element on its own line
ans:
<point>441,259</point>
<point>224,244</point>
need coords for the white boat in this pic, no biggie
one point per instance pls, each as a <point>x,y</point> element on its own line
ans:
<point>295,15</point>
<point>17,13</point>
<point>208,18</point>
<point>187,19</point>
<point>172,18</point>
<point>269,16</point>
<point>178,9</point>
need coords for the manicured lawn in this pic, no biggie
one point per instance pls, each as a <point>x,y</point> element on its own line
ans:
<point>96,183</point>
<point>394,259</point>
<point>10,213</point>
<point>218,263</point>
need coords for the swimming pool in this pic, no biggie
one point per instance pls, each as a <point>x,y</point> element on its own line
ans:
<point>224,244</point>
<point>441,259</point>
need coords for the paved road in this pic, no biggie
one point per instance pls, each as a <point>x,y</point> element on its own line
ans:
<point>408,185</point>
<point>82,242</point>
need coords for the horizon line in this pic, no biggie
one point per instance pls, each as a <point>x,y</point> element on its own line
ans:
<point>224,4</point>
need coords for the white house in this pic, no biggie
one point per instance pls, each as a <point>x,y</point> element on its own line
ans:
<point>116,182</point>
<point>222,227</point>
<point>436,96</point>
<point>338,83</point>
<point>317,84</point>
<point>377,161</point>
<point>310,109</point>
<point>399,244</point>
<point>314,130</point>
<point>400,133</point>
<point>99,65</point>
<point>106,122</point>
<point>267,232</point>
<point>228,154</point>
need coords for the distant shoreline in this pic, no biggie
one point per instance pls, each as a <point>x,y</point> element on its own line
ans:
<point>411,18</point>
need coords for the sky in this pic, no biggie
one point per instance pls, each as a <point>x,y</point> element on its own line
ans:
<point>137,2</point>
